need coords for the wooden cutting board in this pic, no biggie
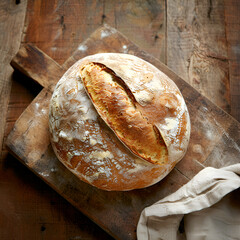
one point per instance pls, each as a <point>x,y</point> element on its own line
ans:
<point>214,138</point>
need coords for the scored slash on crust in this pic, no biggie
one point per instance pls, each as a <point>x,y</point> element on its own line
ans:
<point>119,109</point>
<point>108,163</point>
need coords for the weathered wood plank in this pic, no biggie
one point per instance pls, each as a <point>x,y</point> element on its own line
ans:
<point>146,18</point>
<point>11,17</point>
<point>67,23</point>
<point>57,27</point>
<point>35,64</point>
<point>197,47</point>
<point>232,19</point>
<point>22,93</point>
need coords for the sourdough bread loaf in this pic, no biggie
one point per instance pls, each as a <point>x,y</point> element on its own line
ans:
<point>117,122</point>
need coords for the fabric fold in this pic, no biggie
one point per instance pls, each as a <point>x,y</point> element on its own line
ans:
<point>208,187</point>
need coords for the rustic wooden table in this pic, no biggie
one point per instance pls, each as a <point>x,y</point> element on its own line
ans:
<point>199,40</point>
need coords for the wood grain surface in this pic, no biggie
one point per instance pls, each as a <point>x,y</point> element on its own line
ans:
<point>11,17</point>
<point>197,47</point>
<point>30,209</point>
<point>232,19</point>
<point>213,140</point>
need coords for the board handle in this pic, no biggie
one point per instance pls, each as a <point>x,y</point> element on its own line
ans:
<point>37,65</point>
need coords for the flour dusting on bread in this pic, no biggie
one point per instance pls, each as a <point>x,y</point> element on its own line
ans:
<point>92,150</point>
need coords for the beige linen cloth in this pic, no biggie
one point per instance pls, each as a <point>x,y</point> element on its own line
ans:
<point>208,203</point>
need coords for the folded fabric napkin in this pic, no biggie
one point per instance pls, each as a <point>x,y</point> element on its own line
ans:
<point>210,211</point>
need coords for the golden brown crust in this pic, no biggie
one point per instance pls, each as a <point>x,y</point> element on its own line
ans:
<point>119,110</point>
<point>91,150</point>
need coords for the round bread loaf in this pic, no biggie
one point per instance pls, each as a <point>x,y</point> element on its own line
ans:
<point>117,122</point>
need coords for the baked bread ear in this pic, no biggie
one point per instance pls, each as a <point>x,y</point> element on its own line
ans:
<point>118,108</point>
<point>117,122</point>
